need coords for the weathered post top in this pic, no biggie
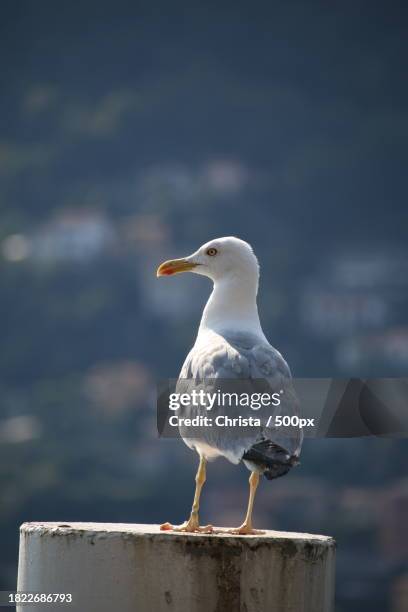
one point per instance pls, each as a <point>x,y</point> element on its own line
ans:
<point>110,566</point>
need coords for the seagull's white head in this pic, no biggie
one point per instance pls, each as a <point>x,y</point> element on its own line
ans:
<point>222,258</point>
<point>231,264</point>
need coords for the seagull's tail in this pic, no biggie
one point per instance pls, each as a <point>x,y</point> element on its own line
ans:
<point>270,458</point>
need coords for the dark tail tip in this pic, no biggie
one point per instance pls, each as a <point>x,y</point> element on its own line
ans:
<point>279,469</point>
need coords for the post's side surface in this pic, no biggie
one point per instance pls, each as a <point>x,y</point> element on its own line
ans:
<point>138,568</point>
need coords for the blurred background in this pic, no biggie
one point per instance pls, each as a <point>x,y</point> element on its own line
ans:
<point>132,132</point>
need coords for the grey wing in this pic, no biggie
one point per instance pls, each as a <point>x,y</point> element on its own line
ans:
<point>280,424</point>
<point>242,361</point>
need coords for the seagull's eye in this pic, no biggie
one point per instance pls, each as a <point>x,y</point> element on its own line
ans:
<point>211,252</point>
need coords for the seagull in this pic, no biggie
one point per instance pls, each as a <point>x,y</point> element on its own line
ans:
<point>230,345</point>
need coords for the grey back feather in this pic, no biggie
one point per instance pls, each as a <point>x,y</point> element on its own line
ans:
<point>256,366</point>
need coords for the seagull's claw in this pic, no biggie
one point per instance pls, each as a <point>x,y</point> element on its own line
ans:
<point>244,529</point>
<point>166,527</point>
<point>190,526</point>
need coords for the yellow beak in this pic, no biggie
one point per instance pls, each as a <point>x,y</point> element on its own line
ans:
<point>175,266</point>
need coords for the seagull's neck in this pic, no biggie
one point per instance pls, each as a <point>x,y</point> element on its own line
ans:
<point>232,306</point>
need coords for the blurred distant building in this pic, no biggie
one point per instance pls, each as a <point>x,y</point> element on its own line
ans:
<point>357,302</point>
<point>73,235</point>
<point>375,350</point>
<point>18,429</point>
<point>114,388</point>
<point>144,232</point>
<point>225,177</point>
<point>353,292</point>
<point>183,183</point>
<point>162,182</point>
<point>376,269</point>
<point>333,312</point>
<point>16,247</point>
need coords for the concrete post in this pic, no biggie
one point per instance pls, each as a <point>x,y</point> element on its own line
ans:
<point>138,568</point>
